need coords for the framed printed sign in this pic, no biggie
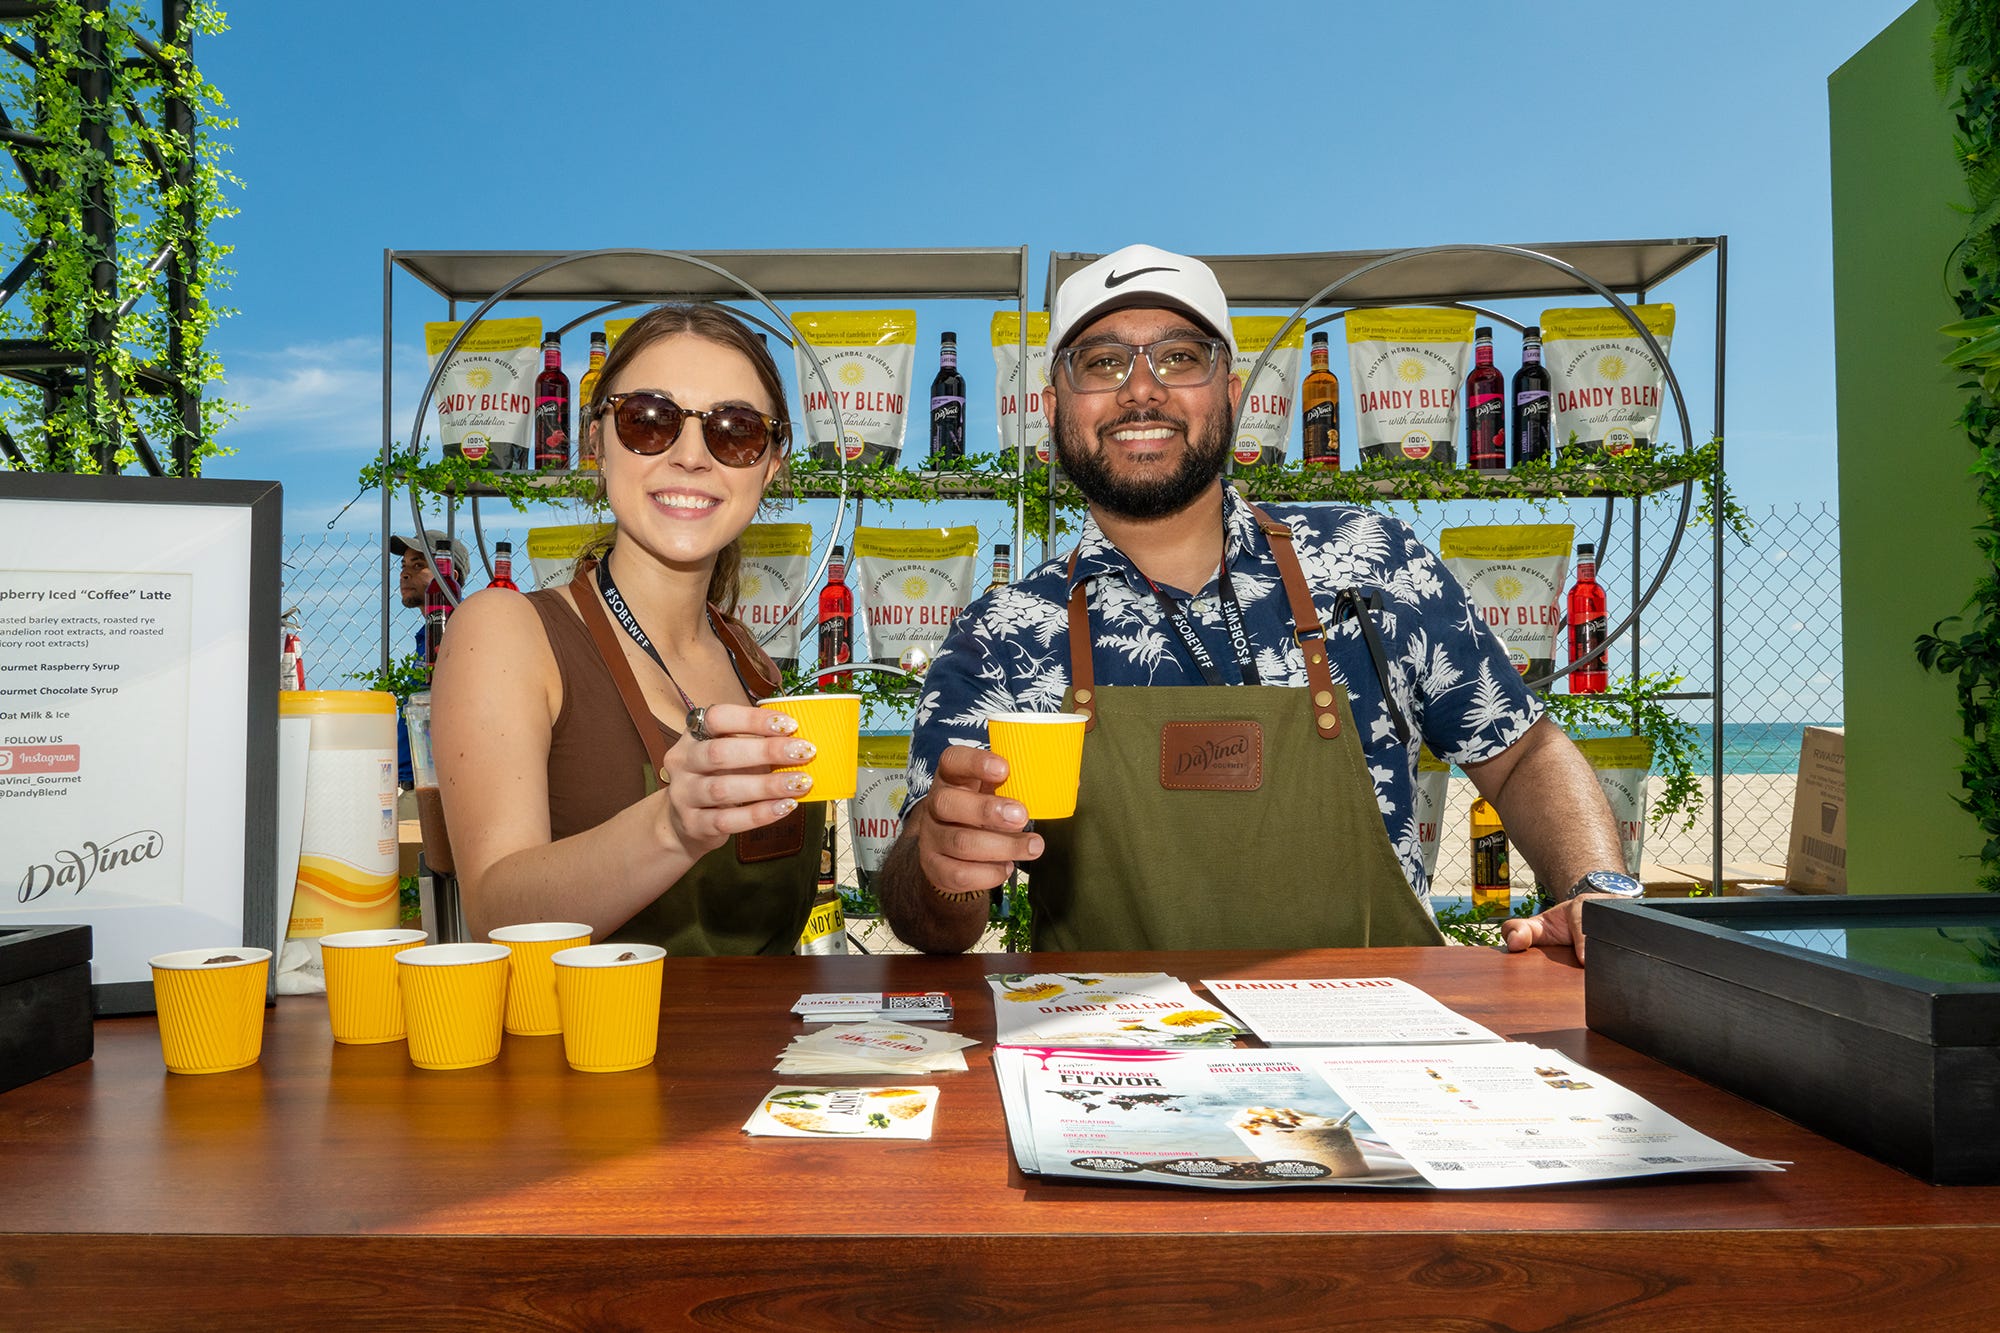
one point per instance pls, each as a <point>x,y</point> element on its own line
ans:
<point>138,715</point>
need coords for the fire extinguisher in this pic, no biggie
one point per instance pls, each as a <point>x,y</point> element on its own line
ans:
<point>292,658</point>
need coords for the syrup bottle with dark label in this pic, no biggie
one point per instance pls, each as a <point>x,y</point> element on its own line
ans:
<point>1491,883</point>
<point>836,620</point>
<point>438,606</point>
<point>552,409</point>
<point>1319,395</point>
<point>947,405</point>
<point>1533,426</point>
<point>1587,624</point>
<point>1485,408</point>
<point>503,566</point>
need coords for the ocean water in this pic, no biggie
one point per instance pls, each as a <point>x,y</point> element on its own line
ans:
<point>1755,747</point>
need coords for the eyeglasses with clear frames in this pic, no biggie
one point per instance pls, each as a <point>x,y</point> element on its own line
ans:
<point>1177,363</point>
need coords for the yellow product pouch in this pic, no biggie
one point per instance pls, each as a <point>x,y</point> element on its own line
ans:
<point>1408,367</point>
<point>1603,379</point>
<point>867,357</point>
<point>614,329</point>
<point>553,552</point>
<point>876,812</point>
<point>1021,421</point>
<point>1515,575</point>
<point>1427,812</point>
<point>1624,768</point>
<point>777,557</point>
<point>1264,425</point>
<point>910,585</point>
<point>486,397</point>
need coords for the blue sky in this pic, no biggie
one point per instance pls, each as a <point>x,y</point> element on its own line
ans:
<point>1275,127</point>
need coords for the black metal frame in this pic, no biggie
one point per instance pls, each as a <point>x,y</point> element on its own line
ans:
<point>55,370</point>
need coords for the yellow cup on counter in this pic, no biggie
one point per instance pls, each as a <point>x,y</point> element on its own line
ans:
<point>1044,754</point>
<point>610,998</point>
<point>453,997</point>
<point>211,1007</point>
<point>364,1000</point>
<point>531,982</point>
<point>832,722</point>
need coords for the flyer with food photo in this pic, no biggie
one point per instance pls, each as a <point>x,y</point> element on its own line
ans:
<point>844,1113</point>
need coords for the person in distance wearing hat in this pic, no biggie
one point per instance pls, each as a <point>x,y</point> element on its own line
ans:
<point>416,577</point>
<point>1257,681</point>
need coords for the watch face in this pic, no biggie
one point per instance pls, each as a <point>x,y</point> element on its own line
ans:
<point>1610,881</point>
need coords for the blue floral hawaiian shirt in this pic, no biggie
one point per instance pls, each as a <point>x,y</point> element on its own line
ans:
<point>1009,652</point>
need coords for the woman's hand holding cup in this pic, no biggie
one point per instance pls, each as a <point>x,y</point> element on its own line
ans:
<point>725,785</point>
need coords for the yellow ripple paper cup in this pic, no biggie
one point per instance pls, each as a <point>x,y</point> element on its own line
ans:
<point>364,1001</point>
<point>531,982</point>
<point>832,722</point>
<point>610,997</point>
<point>453,995</point>
<point>211,1007</point>
<point>1044,754</point>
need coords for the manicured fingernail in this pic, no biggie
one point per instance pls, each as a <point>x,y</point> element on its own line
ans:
<point>798,782</point>
<point>783,724</point>
<point>786,807</point>
<point>1014,814</point>
<point>1034,844</point>
<point>801,750</point>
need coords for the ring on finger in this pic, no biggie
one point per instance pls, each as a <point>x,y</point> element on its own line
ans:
<point>697,724</point>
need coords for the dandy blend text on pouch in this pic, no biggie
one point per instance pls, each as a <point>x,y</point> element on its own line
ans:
<point>1264,422</point>
<point>1515,575</point>
<point>1022,421</point>
<point>1407,369</point>
<point>777,557</point>
<point>1606,383</point>
<point>1624,766</point>
<point>875,813</point>
<point>486,396</point>
<point>867,357</point>
<point>910,584</point>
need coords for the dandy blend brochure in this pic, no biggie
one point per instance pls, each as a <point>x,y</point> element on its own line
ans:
<point>1105,1010</point>
<point>1345,1011</point>
<point>1478,1116</point>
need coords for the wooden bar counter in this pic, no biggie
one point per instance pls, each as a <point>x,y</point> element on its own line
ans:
<point>338,1186</point>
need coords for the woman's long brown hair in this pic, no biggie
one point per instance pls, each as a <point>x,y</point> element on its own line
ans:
<point>715,324</point>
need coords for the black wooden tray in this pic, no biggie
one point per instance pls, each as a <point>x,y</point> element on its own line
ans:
<point>45,1009</point>
<point>1874,1020</point>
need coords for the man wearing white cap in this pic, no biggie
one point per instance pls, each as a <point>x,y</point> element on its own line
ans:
<point>1257,682</point>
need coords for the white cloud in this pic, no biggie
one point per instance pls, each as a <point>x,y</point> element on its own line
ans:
<point>319,397</point>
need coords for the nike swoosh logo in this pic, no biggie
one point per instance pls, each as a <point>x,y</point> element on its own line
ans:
<point>1120,279</point>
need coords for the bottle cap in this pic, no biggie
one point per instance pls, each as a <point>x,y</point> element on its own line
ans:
<point>1586,548</point>
<point>948,337</point>
<point>503,548</point>
<point>1483,331</point>
<point>1319,339</point>
<point>1001,548</point>
<point>597,338</point>
<point>1532,331</point>
<point>551,340</point>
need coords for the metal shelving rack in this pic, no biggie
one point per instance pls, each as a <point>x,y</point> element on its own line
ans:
<point>1329,283</point>
<point>613,280</point>
<point>1334,282</point>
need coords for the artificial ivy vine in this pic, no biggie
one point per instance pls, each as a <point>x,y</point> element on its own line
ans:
<point>153,214</point>
<point>1967,63</point>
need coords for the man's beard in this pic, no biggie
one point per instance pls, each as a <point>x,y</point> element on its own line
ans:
<point>1201,463</point>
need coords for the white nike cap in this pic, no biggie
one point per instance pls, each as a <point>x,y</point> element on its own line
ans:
<point>1139,275</point>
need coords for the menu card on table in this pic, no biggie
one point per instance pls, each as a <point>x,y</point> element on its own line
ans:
<point>1345,1011</point>
<point>1105,1010</point>
<point>1479,1116</point>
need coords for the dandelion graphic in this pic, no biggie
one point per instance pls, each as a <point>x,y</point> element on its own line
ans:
<point>1410,370</point>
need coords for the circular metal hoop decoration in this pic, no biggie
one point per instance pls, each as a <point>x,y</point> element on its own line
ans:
<point>1618,304</point>
<point>674,256</point>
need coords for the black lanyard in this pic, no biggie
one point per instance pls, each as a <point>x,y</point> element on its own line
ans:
<point>1232,616</point>
<point>630,624</point>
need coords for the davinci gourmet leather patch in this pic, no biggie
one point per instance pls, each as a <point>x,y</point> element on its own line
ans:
<point>1211,756</point>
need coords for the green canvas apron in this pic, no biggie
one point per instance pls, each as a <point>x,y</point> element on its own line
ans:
<point>1216,818</point>
<point>752,894</point>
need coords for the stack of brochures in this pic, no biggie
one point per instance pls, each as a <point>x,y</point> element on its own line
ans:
<point>874,1048</point>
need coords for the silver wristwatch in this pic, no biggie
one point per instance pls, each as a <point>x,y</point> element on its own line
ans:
<point>1613,882</point>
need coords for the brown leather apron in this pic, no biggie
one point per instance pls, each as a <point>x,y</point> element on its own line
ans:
<point>752,894</point>
<point>1215,818</point>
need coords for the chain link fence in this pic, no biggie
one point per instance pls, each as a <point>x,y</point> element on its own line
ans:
<point>1781,667</point>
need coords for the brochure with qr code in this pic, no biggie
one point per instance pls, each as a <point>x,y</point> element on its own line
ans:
<point>1486,1116</point>
<point>857,1006</point>
<point>1103,1010</point>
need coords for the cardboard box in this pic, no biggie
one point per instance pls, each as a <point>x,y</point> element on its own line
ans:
<point>1816,861</point>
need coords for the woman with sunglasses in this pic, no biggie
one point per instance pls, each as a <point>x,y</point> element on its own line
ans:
<point>598,751</point>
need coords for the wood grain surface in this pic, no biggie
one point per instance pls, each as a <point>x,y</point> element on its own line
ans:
<point>339,1184</point>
